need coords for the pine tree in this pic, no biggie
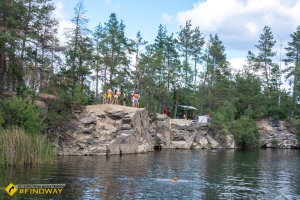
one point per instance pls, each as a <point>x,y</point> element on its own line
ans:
<point>198,42</point>
<point>118,49</point>
<point>138,43</point>
<point>185,47</point>
<point>292,62</point>
<point>79,52</point>
<point>264,58</point>
<point>216,67</point>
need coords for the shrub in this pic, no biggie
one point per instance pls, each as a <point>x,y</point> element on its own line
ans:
<point>245,132</point>
<point>19,112</point>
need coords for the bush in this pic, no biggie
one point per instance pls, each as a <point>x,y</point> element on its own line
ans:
<point>19,112</point>
<point>245,132</point>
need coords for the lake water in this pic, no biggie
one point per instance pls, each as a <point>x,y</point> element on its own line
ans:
<point>202,174</point>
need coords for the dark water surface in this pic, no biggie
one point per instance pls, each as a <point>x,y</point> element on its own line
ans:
<point>202,174</point>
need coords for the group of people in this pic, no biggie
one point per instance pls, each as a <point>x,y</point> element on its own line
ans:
<point>111,97</point>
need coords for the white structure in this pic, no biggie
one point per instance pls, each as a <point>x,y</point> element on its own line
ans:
<point>202,119</point>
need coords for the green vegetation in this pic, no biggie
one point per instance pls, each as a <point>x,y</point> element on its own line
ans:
<point>20,141</point>
<point>21,113</point>
<point>186,68</point>
<point>19,148</point>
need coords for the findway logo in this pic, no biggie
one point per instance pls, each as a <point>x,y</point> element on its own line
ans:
<point>11,189</point>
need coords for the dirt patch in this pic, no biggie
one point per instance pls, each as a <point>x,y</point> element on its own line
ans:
<point>107,107</point>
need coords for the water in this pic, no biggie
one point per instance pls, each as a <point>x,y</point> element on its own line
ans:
<point>202,174</point>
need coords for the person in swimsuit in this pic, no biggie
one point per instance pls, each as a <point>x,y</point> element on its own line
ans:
<point>109,95</point>
<point>116,101</point>
<point>124,99</point>
<point>136,101</point>
<point>132,100</point>
<point>175,180</point>
<point>119,96</point>
<point>104,98</point>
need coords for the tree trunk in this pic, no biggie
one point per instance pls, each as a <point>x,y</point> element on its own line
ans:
<point>2,49</point>
<point>176,104</point>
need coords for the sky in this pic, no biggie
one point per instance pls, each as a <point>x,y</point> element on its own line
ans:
<point>238,23</point>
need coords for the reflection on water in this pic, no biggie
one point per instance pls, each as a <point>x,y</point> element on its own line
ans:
<point>202,174</point>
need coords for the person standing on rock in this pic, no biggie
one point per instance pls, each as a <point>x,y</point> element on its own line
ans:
<point>119,96</point>
<point>165,111</point>
<point>124,99</point>
<point>168,113</point>
<point>184,113</point>
<point>116,102</point>
<point>104,98</point>
<point>109,95</point>
<point>133,100</point>
<point>136,101</point>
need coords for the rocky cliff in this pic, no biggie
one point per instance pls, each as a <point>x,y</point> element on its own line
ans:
<point>108,129</point>
<point>184,134</point>
<point>277,134</point>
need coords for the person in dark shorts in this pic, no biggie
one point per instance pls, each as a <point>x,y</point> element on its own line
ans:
<point>124,99</point>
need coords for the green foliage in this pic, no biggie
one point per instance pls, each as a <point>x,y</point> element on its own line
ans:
<point>22,113</point>
<point>245,131</point>
<point>223,118</point>
<point>19,148</point>
<point>59,111</point>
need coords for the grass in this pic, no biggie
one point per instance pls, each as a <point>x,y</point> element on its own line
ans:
<point>18,148</point>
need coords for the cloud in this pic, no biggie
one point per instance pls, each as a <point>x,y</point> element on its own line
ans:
<point>166,18</point>
<point>64,24</point>
<point>237,64</point>
<point>108,1</point>
<point>240,22</point>
<point>58,12</point>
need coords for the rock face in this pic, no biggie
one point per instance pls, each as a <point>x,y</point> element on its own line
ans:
<point>109,129</point>
<point>184,134</point>
<point>275,135</point>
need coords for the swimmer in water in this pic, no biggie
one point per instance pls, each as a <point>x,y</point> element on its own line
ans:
<point>174,179</point>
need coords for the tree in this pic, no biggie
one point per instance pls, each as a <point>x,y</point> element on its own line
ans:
<point>248,90</point>
<point>25,30</point>
<point>137,44</point>
<point>198,42</point>
<point>265,55</point>
<point>118,49</point>
<point>79,52</point>
<point>292,62</point>
<point>185,47</point>
<point>216,68</point>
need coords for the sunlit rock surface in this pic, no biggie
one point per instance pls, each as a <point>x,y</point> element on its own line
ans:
<point>277,134</point>
<point>109,129</point>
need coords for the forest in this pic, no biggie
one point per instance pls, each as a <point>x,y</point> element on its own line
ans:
<point>185,68</point>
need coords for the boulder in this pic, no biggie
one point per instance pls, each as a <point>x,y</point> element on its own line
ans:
<point>115,114</point>
<point>88,120</point>
<point>182,124</point>
<point>181,144</point>
<point>126,127</point>
<point>162,117</point>
<point>274,122</point>
<point>101,114</point>
<point>212,142</point>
